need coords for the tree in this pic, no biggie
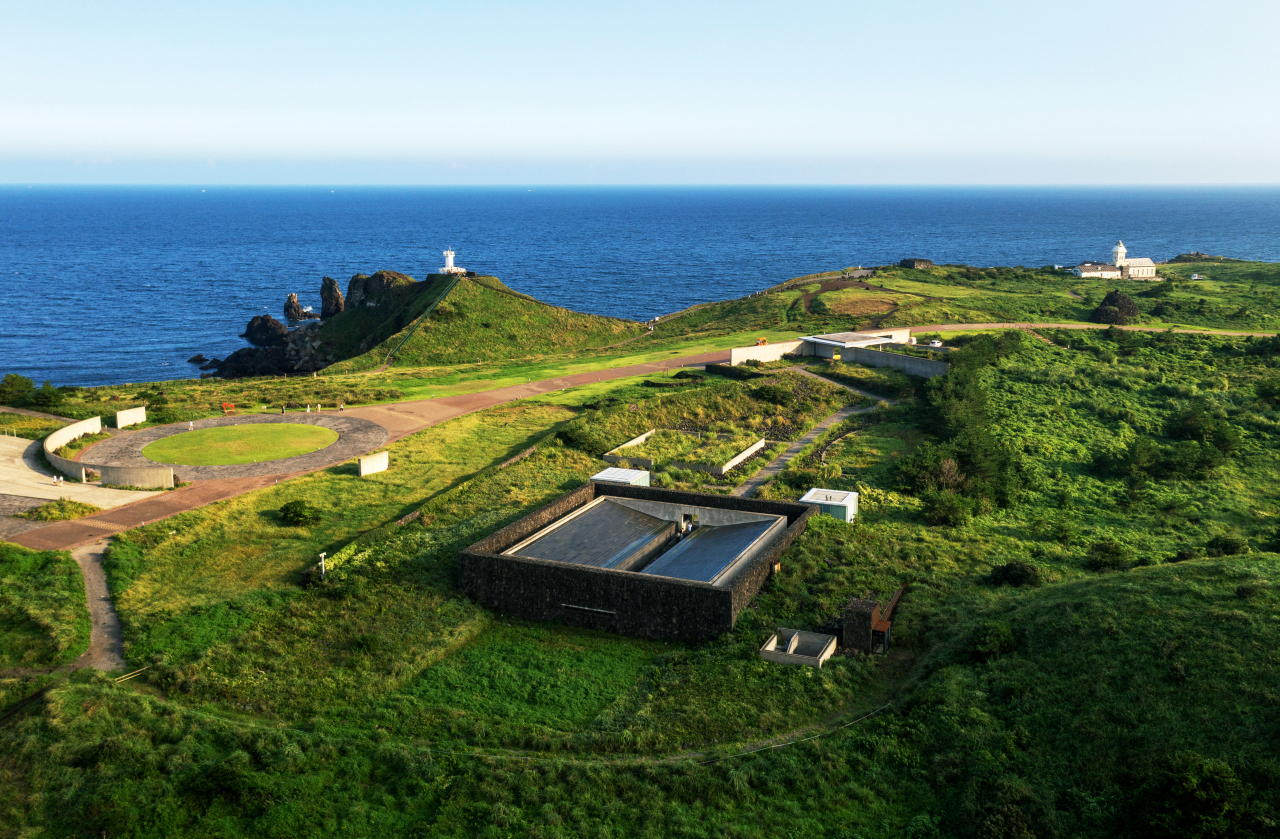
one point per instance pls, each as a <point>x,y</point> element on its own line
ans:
<point>15,389</point>
<point>47,396</point>
<point>299,514</point>
<point>1116,308</point>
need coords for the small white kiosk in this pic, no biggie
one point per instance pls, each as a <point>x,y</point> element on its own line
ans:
<point>835,503</point>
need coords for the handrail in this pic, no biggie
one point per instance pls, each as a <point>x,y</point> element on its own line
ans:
<point>454,279</point>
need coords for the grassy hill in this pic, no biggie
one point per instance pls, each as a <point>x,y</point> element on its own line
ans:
<point>1088,645</point>
<point>480,319</point>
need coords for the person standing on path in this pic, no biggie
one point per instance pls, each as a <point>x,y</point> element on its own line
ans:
<point>282,409</point>
<point>191,426</point>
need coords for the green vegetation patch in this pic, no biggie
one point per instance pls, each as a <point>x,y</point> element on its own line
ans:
<point>44,621</point>
<point>64,509</point>
<point>558,677</point>
<point>665,446</point>
<point>227,444</point>
<point>31,428</point>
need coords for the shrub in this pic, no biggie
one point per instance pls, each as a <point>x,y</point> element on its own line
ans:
<point>663,480</point>
<point>299,514</point>
<point>948,508</point>
<point>1107,555</point>
<point>1198,798</point>
<point>1018,572</point>
<point>1116,308</point>
<point>47,396</point>
<point>1226,545</point>
<point>1185,554</point>
<point>15,389</point>
<point>992,638</point>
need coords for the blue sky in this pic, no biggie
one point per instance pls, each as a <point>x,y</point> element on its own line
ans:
<point>644,93</point>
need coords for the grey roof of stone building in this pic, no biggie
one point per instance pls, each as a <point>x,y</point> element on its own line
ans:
<point>607,535</point>
<point>705,554</point>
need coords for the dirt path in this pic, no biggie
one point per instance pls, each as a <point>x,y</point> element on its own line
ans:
<point>106,644</point>
<point>953,327</point>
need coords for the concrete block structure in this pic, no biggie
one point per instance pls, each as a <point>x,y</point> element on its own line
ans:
<point>619,455</point>
<point>794,646</point>
<point>858,617</point>
<point>835,503</point>
<point>373,463</point>
<point>156,477</point>
<point>626,477</point>
<point>917,264</point>
<point>635,560</point>
<point>131,416</point>
<point>848,346</point>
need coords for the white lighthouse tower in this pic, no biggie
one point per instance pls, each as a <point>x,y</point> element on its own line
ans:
<point>1119,255</point>
<point>449,267</point>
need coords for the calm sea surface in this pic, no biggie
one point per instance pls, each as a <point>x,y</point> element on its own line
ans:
<point>106,285</point>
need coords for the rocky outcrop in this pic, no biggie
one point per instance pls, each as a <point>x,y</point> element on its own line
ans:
<point>293,309</point>
<point>331,302</point>
<point>300,352</point>
<point>198,358</point>
<point>265,331</point>
<point>365,290</point>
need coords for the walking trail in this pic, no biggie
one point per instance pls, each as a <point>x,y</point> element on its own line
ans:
<point>772,469</point>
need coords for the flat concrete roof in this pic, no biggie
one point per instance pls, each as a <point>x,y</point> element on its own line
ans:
<point>603,534</point>
<point>817,495</point>
<point>708,551</point>
<point>848,339</point>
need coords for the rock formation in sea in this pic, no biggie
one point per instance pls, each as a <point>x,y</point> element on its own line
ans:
<point>265,331</point>
<point>301,351</point>
<point>330,298</point>
<point>198,358</point>
<point>293,310</point>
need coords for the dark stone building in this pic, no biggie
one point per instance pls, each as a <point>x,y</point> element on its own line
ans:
<point>918,264</point>
<point>639,561</point>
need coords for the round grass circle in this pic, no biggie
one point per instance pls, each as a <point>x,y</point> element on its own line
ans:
<point>231,444</point>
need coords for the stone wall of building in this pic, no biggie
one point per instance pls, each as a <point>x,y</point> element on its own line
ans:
<point>857,625</point>
<point>627,603</point>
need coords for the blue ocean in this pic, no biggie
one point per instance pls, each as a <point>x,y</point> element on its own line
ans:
<point>122,284</point>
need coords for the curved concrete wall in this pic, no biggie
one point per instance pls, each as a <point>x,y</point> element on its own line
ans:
<point>64,435</point>
<point>137,476</point>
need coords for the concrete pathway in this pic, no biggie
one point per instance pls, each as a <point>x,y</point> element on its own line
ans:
<point>23,473</point>
<point>400,419</point>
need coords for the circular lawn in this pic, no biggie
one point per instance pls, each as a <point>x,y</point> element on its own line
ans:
<point>229,444</point>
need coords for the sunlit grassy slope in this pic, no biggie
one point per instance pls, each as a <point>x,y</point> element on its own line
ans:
<point>483,319</point>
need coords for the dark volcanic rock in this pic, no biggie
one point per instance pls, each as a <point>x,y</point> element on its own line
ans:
<point>293,310</point>
<point>198,358</point>
<point>301,352</point>
<point>330,298</point>
<point>370,290</point>
<point>264,331</point>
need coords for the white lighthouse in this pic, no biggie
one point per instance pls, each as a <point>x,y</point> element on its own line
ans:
<point>449,267</point>
<point>1119,255</point>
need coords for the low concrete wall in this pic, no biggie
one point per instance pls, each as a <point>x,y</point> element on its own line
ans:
<point>768,352</point>
<point>923,367</point>
<point>613,456</point>
<point>160,477</point>
<point>376,462</point>
<point>63,436</point>
<point>132,416</point>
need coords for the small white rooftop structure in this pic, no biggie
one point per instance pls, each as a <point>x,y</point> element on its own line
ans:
<point>844,340</point>
<point>795,646</point>
<point>834,502</point>
<point>449,267</point>
<point>626,477</point>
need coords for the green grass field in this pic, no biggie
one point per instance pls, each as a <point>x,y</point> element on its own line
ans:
<point>240,444</point>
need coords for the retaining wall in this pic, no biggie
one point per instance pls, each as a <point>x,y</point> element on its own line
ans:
<point>131,416</point>
<point>63,436</point>
<point>160,477</point>
<point>926,368</point>
<point>769,352</point>
<point>624,602</point>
